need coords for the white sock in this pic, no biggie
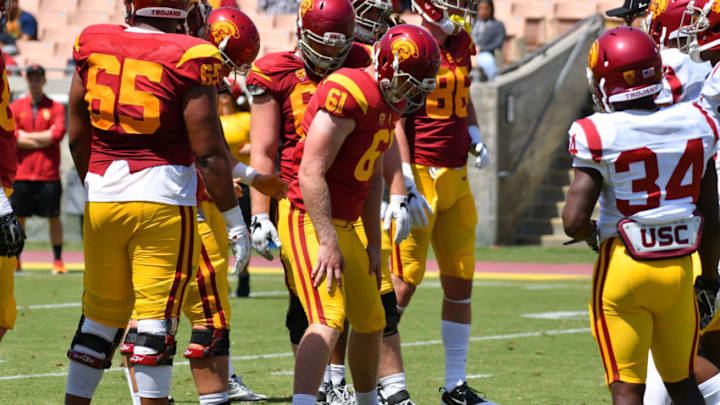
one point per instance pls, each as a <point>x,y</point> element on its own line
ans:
<point>133,394</point>
<point>710,390</point>
<point>366,398</point>
<point>231,368</point>
<point>214,399</point>
<point>393,384</point>
<point>326,379</point>
<point>456,338</point>
<point>303,399</point>
<point>655,391</point>
<point>337,373</point>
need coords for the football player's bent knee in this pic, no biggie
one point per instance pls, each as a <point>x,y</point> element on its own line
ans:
<point>296,320</point>
<point>93,344</point>
<point>155,344</point>
<point>212,343</point>
<point>128,345</point>
<point>391,314</point>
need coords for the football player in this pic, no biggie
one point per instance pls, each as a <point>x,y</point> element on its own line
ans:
<point>12,237</point>
<point>372,20</point>
<point>682,77</point>
<point>434,142</point>
<point>340,180</point>
<point>143,109</point>
<point>281,85</point>
<point>654,172</point>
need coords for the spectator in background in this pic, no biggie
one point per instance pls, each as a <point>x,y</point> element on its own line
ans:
<point>489,35</point>
<point>20,24</point>
<point>233,108</point>
<point>216,4</point>
<point>39,128</point>
<point>279,6</point>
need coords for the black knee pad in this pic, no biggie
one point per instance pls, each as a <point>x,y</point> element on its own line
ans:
<point>214,342</point>
<point>392,317</point>
<point>95,343</point>
<point>296,320</point>
<point>164,345</point>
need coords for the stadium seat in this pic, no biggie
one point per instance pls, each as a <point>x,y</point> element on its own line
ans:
<point>566,14</point>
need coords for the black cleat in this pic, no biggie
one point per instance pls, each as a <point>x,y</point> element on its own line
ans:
<point>463,395</point>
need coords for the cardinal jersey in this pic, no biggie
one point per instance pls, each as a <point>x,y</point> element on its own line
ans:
<point>350,93</point>
<point>140,147</point>
<point>360,56</point>
<point>8,144</point>
<point>282,75</point>
<point>651,163</point>
<point>438,131</point>
<point>682,78</point>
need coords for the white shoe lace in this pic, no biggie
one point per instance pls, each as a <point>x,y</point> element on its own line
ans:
<point>341,395</point>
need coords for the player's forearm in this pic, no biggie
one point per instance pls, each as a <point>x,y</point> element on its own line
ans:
<point>392,170</point>
<point>371,211</point>
<point>402,141</point>
<point>79,128</point>
<point>260,203</point>
<point>216,173</point>
<point>316,195</point>
<point>472,117</point>
<point>24,142</point>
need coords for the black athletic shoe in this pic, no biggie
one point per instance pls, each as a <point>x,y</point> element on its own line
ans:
<point>463,395</point>
<point>243,288</point>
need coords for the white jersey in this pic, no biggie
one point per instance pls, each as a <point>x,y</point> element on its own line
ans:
<point>651,162</point>
<point>683,79</point>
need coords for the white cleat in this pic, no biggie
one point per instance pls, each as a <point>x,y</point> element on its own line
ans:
<point>238,391</point>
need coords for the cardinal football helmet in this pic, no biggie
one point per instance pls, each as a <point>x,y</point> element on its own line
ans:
<point>196,19</point>
<point>371,19</point>
<point>175,9</point>
<point>450,15</point>
<point>235,36</point>
<point>701,25</point>
<point>406,59</point>
<point>624,64</point>
<point>325,31</point>
<point>663,20</point>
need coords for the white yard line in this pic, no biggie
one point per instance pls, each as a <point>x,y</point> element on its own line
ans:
<point>288,372</point>
<point>289,354</point>
<point>557,315</point>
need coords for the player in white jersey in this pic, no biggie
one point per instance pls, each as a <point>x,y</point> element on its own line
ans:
<point>682,77</point>
<point>647,166</point>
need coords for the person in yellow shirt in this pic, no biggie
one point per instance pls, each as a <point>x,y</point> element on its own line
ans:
<point>233,108</point>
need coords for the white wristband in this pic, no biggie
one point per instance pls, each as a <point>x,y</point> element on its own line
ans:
<point>245,173</point>
<point>5,207</point>
<point>475,137</point>
<point>233,217</point>
<point>407,170</point>
<point>262,216</point>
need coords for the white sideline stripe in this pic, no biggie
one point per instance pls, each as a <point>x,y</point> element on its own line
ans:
<point>289,354</point>
<point>52,306</point>
<point>557,315</point>
<point>288,372</point>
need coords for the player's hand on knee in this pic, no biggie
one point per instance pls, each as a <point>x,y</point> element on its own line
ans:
<point>417,203</point>
<point>271,185</point>
<point>330,265</point>
<point>706,293</point>
<point>373,253</point>
<point>12,236</point>
<point>397,210</point>
<point>240,244</point>
<point>263,234</point>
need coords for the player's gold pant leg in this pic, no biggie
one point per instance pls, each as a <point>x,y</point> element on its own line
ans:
<point>207,301</point>
<point>8,307</point>
<point>641,305</point>
<point>283,216</point>
<point>358,299</point>
<point>386,247</point>
<point>164,255</point>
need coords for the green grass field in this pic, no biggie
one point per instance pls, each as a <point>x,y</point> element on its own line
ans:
<point>513,359</point>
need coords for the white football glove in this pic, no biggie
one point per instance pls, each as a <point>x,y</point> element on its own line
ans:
<point>263,233</point>
<point>477,148</point>
<point>416,202</point>
<point>397,209</point>
<point>239,238</point>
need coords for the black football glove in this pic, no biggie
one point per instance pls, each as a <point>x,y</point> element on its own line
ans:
<point>395,19</point>
<point>706,294</point>
<point>12,236</point>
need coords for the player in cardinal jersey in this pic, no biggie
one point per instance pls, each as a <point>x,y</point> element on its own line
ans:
<point>143,108</point>
<point>340,180</point>
<point>648,166</point>
<point>12,237</point>
<point>682,77</point>
<point>434,142</point>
